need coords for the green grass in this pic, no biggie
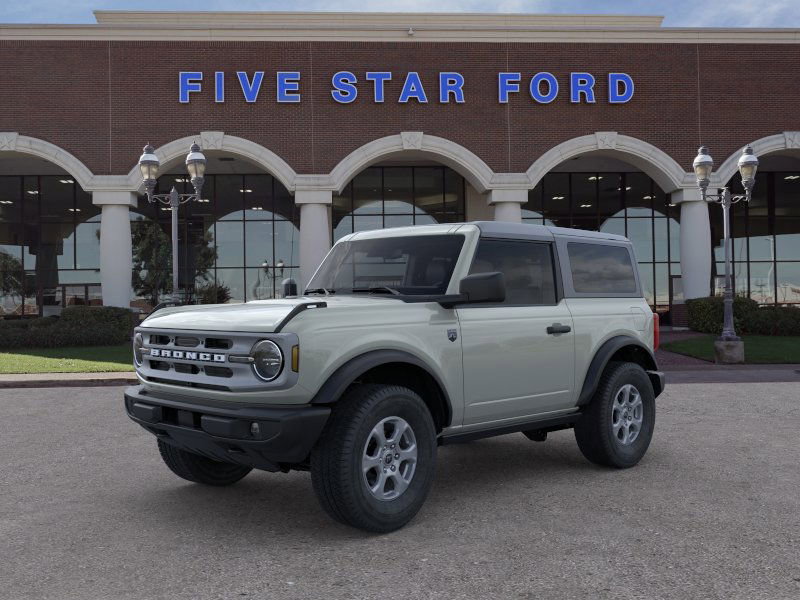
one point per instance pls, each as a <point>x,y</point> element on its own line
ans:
<point>90,359</point>
<point>758,349</point>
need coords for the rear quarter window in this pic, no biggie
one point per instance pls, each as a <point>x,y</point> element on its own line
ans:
<point>601,269</point>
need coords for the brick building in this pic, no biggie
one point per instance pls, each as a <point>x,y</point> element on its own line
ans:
<point>319,124</point>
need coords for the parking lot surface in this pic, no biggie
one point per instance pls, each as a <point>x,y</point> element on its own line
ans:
<point>88,510</point>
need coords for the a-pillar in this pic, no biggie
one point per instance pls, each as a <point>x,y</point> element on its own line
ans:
<point>508,204</point>
<point>695,243</point>
<point>315,231</point>
<point>116,254</point>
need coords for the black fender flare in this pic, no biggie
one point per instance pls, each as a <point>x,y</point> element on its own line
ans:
<point>346,374</point>
<point>603,356</point>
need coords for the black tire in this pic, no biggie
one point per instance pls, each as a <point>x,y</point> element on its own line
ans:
<point>595,432</point>
<point>336,461</point>
<point>199,469</point>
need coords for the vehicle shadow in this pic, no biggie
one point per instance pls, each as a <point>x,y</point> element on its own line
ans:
<point>276,505</point>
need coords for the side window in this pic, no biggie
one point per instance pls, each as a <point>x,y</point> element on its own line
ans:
<point>601,269</point>
<point>526,266</point>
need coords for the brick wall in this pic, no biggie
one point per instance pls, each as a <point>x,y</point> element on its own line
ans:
<point>102,100</point>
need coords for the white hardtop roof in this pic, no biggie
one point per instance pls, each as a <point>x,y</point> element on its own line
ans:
<point>488,229</point>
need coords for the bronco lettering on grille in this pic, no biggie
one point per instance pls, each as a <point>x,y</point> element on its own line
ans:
<point>182,354</point>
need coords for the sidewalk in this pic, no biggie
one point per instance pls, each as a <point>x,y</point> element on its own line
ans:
<point>678,370</point>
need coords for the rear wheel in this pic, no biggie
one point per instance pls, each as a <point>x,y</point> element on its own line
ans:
<point>617,426</point>
<point>375,461</point>
<point>199,469</point>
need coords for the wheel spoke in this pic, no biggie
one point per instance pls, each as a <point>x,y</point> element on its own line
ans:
<point>400,484</point>
<point>371,462</point>
<point>380,484</point>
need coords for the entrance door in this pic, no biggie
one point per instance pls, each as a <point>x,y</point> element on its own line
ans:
<point>514,368</point>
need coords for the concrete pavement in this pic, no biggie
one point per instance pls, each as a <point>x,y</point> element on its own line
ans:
<point>88,510</point>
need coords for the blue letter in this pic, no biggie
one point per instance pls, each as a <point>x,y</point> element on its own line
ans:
<point>378,77</point>
<point>614,95</point>
<point>250,90</point>
<point>506,83</point>
<point>412,88</point>
<point>188,81</point>
<point>536,88</point>
<point>451,83</point>
<point>581,83</point>
<point>219,86</point>
<point>288,86</point>
<point>344,92</point>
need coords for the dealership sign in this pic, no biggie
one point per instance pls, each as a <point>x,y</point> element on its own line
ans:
<point>346,87</point>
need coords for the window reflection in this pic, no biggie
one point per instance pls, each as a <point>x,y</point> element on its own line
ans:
<point>49,245</point>
<point>381,197</point>
<point>230,245</point>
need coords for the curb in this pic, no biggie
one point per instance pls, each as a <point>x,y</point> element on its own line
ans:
<point>40,381</point>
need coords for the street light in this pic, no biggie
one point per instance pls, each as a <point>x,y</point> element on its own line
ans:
<point>703,165</point>
<point>196,165</point>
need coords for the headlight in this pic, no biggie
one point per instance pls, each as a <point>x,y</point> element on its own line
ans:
<point>268,360</point>
<point>138,342</point>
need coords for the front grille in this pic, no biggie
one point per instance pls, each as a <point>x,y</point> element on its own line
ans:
<point>190,359</point>
<point>189,384</point>
<point>218,344</point>
<point>218,371</point>
<point>184,368</point>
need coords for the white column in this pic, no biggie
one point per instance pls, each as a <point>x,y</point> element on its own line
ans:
<point>508,204</point>
<point>695,243</point>
<point>116,254</point>
<point>315,231</point>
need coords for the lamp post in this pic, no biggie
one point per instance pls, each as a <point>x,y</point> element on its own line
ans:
<point>277,271</point>
<point>196,165</point>
<point>728,347</point>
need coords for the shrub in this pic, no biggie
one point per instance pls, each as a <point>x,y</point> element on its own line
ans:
<point>77,326</point>
<point>213,293</point>
<point>706,315</point>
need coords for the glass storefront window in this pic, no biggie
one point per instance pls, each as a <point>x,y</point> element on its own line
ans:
<point>381,197</point>
<point>555,199</point>
<point>230,245</point>
<point>49,240</point>
<point>788,277</point>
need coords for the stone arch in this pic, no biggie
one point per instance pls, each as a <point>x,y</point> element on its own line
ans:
<point>444,151</point>
<point>656,163</point>
<point>218,140</point>
<point>11,141</point>
<point>781,142</point>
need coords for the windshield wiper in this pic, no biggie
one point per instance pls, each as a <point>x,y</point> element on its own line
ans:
<point>321,290</point>
<point>377,289</point>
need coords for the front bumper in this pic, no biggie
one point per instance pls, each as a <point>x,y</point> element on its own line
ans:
<point>658,380</point>
<point>285,434</point>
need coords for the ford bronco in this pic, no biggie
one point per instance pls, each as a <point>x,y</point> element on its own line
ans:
<point>404,340</point>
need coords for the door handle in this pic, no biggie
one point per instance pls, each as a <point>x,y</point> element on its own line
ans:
<point>558,328</point>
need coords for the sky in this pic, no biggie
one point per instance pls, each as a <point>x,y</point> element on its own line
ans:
<point>678,13</point>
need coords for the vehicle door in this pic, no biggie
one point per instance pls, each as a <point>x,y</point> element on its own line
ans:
<point>519,354</point>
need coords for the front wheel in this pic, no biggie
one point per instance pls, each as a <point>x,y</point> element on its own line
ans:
<point>617,426</point>
<point>375,462</point>
<point>199,469</point>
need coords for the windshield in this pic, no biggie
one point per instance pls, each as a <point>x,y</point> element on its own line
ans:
<point>408,265</point>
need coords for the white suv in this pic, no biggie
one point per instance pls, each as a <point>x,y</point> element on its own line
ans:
<point>406,339</point>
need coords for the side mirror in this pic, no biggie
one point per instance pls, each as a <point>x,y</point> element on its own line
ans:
<point>483,287</point>
<point>289,287</point>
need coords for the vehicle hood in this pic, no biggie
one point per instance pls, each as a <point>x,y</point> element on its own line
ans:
<point>262,316</point>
